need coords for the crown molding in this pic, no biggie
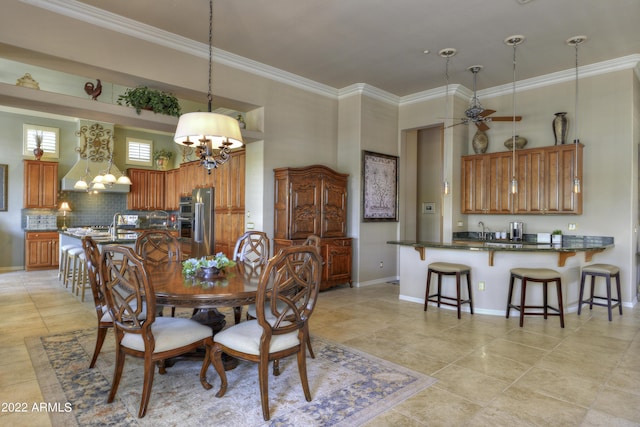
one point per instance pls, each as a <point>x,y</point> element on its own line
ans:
<point>99,17</point>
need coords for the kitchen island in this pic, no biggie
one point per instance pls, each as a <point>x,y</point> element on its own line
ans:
<point>490,263</point>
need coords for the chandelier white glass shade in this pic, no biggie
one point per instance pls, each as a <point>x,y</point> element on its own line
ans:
<point>213,135</point>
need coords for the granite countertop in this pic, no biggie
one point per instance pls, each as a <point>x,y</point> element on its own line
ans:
<point>101,237</point>
<point>590,245</point>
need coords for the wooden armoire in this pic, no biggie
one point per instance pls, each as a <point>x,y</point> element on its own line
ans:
<point>313,200</point>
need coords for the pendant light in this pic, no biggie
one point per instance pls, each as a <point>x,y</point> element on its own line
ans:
<point>514,41</point>
<point>575,42</point>
<point>207,129</point>
<point>446,53</point>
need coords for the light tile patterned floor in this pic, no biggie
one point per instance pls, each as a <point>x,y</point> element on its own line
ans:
<point>490,371</point>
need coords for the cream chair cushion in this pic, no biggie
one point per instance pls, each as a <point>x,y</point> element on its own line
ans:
<point>169,333</point>
<point>245,337</point>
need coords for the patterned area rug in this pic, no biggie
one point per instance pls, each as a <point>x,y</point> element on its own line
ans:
<point>348,388</point>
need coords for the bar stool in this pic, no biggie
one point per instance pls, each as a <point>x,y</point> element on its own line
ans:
<point>71,266</point>
<point>600,270</point>
<point>63,260</point>
<point>448,269</point>
<point>81,279</point>
<point>537,275</point>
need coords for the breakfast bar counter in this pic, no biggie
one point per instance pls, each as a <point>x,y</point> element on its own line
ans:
<point>491,261</point>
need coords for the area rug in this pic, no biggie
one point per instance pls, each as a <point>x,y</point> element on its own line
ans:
<point>348,388</point>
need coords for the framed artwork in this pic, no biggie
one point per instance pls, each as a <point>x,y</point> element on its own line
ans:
<point>379,187</point>
<point>4,174</point>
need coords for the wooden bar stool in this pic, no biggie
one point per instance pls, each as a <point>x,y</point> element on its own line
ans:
<point>71,266</point>
<point>63,260</point>
<point>600,270</point>
<point>448,269</point>
<point>537,275</point>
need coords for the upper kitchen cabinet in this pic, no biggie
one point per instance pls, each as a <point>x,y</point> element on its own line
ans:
<point>545,181</point>
<point>40,184</point>
<point>147,190</point>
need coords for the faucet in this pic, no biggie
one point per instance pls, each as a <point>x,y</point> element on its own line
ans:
<point>114,225</point>
<point>482,233</point>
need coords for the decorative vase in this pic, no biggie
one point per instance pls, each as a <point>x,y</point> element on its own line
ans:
<point>209,272</point>
<point>521,141</point>
<point>560,128</point>
<point>241,122</point>
<point>162,163</point>
<point>480,142</point>
<point>38,152</point>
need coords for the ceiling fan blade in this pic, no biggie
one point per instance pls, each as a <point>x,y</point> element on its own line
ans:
<point>485,113</point>
<point>482,126</point>
<point>505,119</point>
<point>456,124</point>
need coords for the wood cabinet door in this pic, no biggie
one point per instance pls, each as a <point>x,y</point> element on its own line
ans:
<point>40,184</point>
<point>155,190</point>
<point>334,208</point>
<point>172,191</point>
<point>560,167</point>
<point>474,184</point>
<point>530,198</point>
<point>498,191</point>
<point>337,261</point>
<point>304,199</point>
<point>136,199</point>
<point>41,250</point>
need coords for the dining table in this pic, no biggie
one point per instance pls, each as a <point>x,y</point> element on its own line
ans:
<point>235,287</point>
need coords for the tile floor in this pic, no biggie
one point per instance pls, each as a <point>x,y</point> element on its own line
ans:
<point>490,371</point>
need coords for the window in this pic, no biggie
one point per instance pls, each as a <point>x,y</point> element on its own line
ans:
<point>50,140</point>
<point>139,152</point>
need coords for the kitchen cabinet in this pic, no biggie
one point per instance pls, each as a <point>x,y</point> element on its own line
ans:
<point>313,200</point>
<point>41,250</point>
<point>172,189</point>
<point>147,190</point>
<point>40,184</point>
<point>545,181</point>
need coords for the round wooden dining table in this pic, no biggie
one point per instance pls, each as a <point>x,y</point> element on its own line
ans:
<point>235,288</point>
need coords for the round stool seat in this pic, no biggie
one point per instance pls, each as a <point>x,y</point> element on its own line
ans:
<point>601,269</point>
<point>535,273</point>
<point>446,267</point>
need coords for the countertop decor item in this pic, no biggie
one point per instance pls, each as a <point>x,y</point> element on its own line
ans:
<point>560,127</point>
<point>521,141</point>
<point>27,81</point>
<point>556,237</point>
<point>480,142</point>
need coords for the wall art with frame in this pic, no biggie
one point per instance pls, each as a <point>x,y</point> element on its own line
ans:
<point>379,187</point>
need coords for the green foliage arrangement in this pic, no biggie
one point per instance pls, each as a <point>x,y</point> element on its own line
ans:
<point>219,261</point>
<point>556,232</point>
<point>162,153</point>
<point>143,98</point>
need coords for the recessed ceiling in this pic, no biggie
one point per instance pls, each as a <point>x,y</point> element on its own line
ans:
<point>382,43</point>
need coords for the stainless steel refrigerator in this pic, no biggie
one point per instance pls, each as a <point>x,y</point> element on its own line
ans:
<point>202,242</point>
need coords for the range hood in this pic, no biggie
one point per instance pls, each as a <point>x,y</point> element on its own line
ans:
<point>79,171</point>
<point>95,146</point>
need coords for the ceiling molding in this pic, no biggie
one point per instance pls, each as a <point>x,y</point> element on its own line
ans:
<point>120,24</point>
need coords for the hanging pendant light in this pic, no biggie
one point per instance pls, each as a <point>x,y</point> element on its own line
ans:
<point>514,41</point>
<point>446,53</point>
<point>213,135</point>
<point>576,41</point>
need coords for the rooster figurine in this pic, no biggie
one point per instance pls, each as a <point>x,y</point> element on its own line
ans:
<point>93,91</point>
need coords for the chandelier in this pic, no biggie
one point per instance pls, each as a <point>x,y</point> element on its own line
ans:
<point>213,135</point>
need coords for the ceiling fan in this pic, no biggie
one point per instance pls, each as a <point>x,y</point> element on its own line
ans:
<point>476,113</point>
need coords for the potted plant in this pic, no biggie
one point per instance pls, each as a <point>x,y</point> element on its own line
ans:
<point>144,98</point>
<point>556,237</point>
<point>162,158</point>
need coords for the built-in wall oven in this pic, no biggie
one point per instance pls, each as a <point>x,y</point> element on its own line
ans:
<point>185,217</point>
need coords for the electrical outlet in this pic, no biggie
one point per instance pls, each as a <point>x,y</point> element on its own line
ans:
<point>572,226</point>
<point>481,286</point>
<point>460,224</point>
<point>381,264</point>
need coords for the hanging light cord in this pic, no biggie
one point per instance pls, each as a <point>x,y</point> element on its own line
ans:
<point>209,96</point>
<point>447,54</point>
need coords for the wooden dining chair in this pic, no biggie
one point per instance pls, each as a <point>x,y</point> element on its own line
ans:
<point>312,240</point>
<point>105,322</point>
<point>139,333</point>
<point>286,296</point>
<point>252,250</point>
<point>159,246</point>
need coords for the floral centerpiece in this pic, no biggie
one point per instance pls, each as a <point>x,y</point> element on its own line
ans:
<point>207,266</point>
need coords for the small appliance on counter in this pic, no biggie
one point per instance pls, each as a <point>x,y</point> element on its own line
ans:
<point>516,231</point>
